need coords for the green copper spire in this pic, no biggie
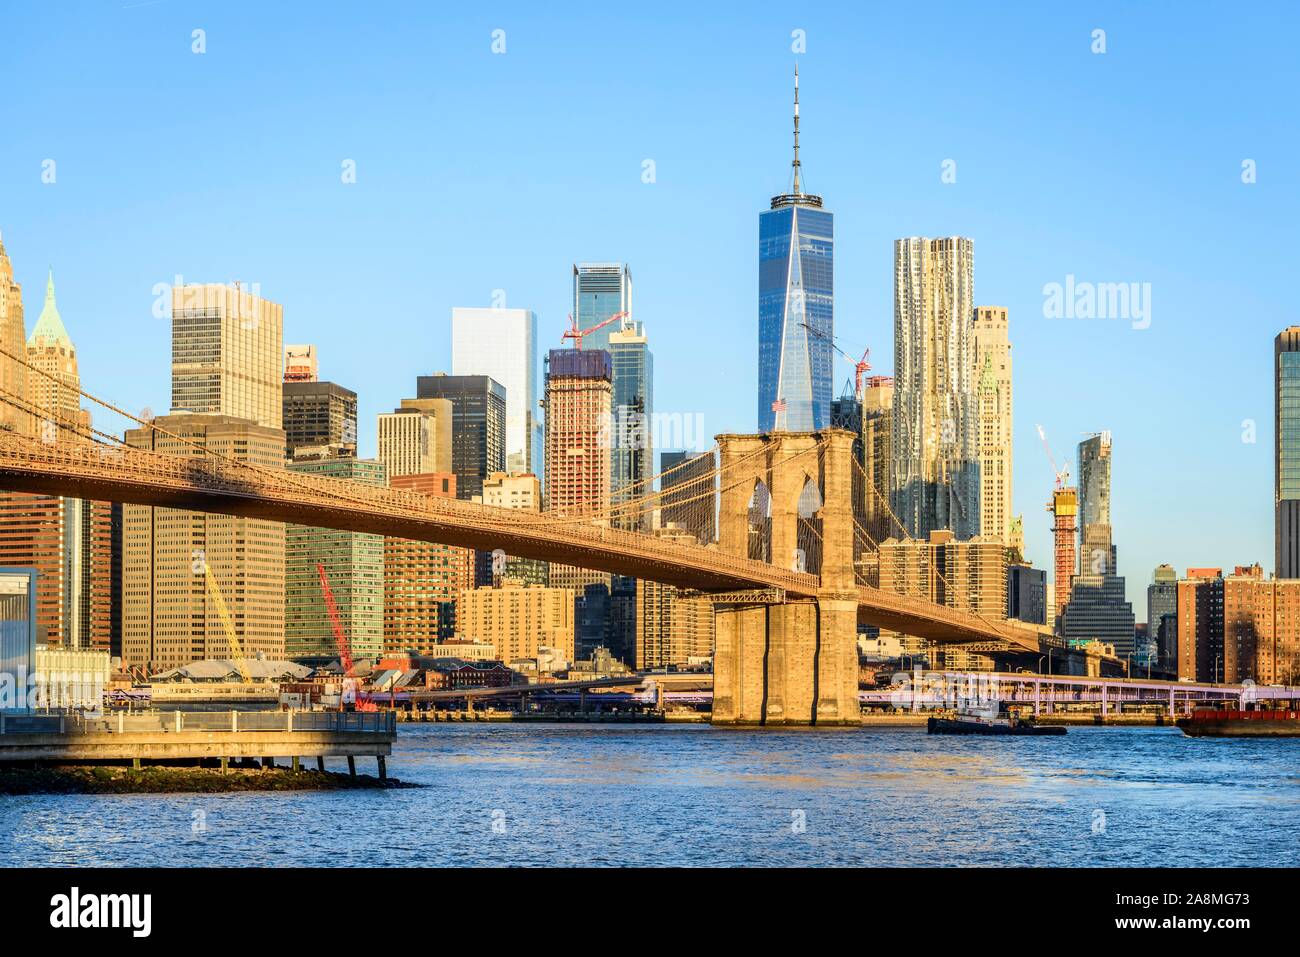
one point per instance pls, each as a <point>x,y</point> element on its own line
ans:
<point>988,380</point>
<point>49,326</point>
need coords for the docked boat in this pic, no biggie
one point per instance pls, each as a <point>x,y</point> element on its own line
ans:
<point>1273,719</point>
<point>967,722</point>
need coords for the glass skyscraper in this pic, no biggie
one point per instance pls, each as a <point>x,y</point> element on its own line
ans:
<point>1286,498</point>
<point>600,290</point>
<point>631,449</point>
<point>502,344</point>
<point>796,307</point>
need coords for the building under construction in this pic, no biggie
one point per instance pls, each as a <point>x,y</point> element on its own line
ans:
<point>1064,507</point>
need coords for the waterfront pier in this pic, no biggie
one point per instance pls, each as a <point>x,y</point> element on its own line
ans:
<point>181,736</point>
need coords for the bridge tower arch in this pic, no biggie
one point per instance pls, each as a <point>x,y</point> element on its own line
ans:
<point>792,662</point>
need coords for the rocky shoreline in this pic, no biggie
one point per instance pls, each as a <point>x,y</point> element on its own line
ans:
<point>101,779</point>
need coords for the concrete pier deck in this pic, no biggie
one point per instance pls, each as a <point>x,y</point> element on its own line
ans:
<point>169,736</point>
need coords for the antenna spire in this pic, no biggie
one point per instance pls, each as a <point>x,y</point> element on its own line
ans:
<point>798,191</point>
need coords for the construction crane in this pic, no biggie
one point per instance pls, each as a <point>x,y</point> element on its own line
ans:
<point>1062,474</point>
<point>860,366</point>
<point>236,647</point>
<point>576,334</point>
<point>348,693</point>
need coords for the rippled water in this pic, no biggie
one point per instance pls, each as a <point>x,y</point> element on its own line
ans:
<point>692,795</point>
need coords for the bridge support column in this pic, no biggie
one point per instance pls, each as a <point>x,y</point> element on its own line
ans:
<point>793,662</point>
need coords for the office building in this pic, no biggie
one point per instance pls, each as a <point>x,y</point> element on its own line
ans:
<point>688,482</point>
<point>522,492</point>
<point>518,619</point>
<point>1027,594</point>
<point>319,414</point>
<point>502,345</point>
<point>1097,609</point>
<point>1162,617</point>
<point>671,629</point>
<point>969,575</point>
<point>796,306</point>
<point>579,395</point>
<point>68,541</point>
<point>632,407</point>
<point>601,291</point>
<point>993,416</point>
<point>423,579</point>
<point>17,632</point>
<point>877,464</point>
<point>478,426</point>
<point>353,564</point>
<point>13,337</point>
<point>416,438</point>
<point>170,616</point>
<point>936,474</point>
<point>227,353</point>
<point>54,383</point>
<point>478,437</point>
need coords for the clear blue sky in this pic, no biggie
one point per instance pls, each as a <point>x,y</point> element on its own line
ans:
<point>478,171</point>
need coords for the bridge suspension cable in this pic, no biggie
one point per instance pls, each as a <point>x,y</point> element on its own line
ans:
<point>947,583</point>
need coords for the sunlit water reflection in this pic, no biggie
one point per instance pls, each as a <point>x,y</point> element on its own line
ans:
<point>503,794</point>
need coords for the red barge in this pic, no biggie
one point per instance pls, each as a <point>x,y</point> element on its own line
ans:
<point>1273,719</point>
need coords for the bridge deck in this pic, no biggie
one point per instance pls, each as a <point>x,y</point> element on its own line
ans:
<point>208,484</point>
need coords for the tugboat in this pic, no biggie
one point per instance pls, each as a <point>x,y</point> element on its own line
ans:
<point>972,722</point>
<point>1261,719</point>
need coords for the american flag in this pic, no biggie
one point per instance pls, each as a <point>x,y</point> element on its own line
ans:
<point>778,405</point>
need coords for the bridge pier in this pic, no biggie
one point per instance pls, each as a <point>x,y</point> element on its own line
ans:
<point>789,662</point>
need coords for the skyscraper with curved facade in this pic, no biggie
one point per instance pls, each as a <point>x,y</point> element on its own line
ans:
<point>796,306</point>
<point>936,469</point>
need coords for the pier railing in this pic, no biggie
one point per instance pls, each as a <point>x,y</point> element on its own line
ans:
<point>374,722</point>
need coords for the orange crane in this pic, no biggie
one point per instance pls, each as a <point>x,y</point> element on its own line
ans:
<point>576,334</point>
<point>349,693</point>
<point>860,366</point>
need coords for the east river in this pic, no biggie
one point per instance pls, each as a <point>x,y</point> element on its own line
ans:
<point>528,794</point>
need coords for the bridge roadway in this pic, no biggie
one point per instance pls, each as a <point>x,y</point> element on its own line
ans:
<point>209,484</point>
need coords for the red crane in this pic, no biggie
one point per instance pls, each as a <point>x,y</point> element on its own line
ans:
<point>860,366</point>
<point>349,692</point>
<point>576,334</point>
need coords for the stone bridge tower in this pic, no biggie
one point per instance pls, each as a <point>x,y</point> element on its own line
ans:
<point>793,662</point>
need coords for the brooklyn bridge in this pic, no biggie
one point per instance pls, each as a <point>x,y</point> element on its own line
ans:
<point>786,575</point>
<point>785,631</point>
